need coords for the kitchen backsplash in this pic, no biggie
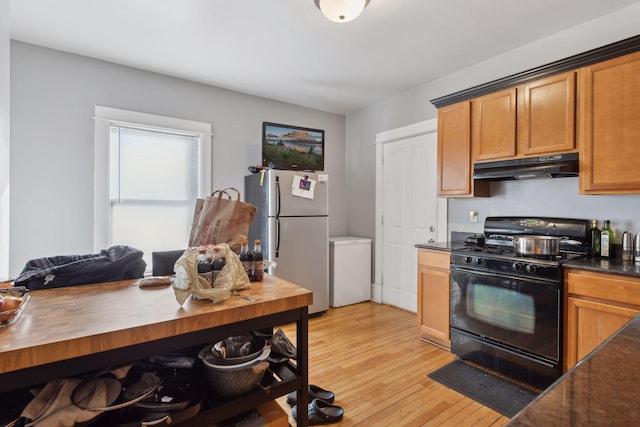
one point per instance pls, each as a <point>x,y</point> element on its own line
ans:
<point>546,197</point>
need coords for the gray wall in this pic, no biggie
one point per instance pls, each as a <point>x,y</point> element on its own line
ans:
<point>53,95</point>
<point>4,138</point>
<point>549,197</point>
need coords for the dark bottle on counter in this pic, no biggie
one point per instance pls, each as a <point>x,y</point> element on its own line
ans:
<point>246,257</point>
<point>258,261</point>
<point>606,235</point>
<point>219,260</point>
<point>595,238</point>
<point>204,264</point>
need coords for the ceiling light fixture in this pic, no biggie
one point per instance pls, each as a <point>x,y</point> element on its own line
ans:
<point>341,10</point>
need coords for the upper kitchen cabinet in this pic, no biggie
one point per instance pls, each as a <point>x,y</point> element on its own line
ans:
<point>454,153</point>
<point>536,118</point>
<point>547,115</point>
<point>493,125</point>
<point>609,133</point>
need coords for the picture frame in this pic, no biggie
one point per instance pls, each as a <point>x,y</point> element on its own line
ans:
<point>290,147</point>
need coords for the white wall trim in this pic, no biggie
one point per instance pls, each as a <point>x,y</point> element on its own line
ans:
<point>421,128</point>
<point>416,129</point>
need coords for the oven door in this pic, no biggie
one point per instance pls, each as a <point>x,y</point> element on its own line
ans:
<point>521,313</point>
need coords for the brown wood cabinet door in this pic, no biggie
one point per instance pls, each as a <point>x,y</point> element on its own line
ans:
<point>547,115</point>
<point>433,296</point>
<point>454,152</point>
<point>609,133</point>
<point>433,305</point>
<point>493,126</point>
<point>590,323</point>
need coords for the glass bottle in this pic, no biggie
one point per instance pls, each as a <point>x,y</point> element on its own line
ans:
<point>246,257</point>
<point>218,261</point>
<point>204,266</point>
<point>606,235</point>
<point>258,264</point>
<point>203,262</point>
<point>595,238</point>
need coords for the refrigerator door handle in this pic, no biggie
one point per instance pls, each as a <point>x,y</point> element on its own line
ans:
<point>277,196</point>
<point>277,236</point>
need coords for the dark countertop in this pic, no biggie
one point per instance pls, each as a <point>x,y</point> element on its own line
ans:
<point>600,390</point>
<point>440,246</point>
<point>606,265</point>
<point>613,265</point>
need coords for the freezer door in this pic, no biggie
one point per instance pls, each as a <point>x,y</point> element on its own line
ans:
<point>272,194</point>
<point>302,256</point>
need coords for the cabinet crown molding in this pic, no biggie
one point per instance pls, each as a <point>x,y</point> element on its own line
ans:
<point>574,62</point>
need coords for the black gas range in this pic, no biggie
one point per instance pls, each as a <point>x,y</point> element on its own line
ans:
<point>502,259</point>
<point>506,308</point>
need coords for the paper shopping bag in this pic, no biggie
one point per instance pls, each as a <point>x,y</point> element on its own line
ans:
<point>219,218</point>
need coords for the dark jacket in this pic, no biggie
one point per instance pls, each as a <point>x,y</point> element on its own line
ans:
<point>116,263</point>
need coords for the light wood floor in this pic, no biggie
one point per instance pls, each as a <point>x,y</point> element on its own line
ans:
<point>371,356</point>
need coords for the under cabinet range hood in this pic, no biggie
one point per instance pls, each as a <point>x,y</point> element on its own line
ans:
<point>554,166</point>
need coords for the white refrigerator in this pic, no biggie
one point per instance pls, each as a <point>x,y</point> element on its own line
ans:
<point>293,223</point>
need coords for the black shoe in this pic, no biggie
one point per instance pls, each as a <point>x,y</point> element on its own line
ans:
<point>315,392</point>
<point>321,412</point>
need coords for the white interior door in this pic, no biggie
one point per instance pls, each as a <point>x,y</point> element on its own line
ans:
<point>410,209</point>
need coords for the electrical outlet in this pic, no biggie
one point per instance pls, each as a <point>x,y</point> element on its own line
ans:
<point>473,216</point>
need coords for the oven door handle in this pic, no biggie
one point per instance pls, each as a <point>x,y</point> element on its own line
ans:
<point>538,281</point>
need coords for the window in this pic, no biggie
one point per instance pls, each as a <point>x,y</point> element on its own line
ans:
<point>155,169</point>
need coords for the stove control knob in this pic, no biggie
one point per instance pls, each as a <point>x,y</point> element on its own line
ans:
<point>531,268</point>
<point>516,266</point>
<point>479,261</point>
<point>468,260</point>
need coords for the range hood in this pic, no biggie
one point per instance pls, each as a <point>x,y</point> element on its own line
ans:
<point>555,166</point>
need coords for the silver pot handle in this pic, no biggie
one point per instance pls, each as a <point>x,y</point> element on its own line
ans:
<point>570,242</point>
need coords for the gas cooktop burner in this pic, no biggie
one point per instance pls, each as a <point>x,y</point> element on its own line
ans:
<point>509,253</point>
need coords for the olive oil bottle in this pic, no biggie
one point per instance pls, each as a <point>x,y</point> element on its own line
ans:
<point>606,235</point>
<point>595,238</point>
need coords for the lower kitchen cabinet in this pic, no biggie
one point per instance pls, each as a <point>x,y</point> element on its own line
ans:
<point>597,305</point>
<point>433,296</point>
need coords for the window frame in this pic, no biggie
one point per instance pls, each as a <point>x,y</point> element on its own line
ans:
<point>104,118</point>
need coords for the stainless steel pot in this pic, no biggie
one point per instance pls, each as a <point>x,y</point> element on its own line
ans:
<point>536,245</point>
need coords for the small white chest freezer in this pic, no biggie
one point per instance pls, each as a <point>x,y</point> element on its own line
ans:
<point>349,270</point>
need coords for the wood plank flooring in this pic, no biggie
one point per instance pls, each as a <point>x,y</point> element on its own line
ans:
<point>371,356</point>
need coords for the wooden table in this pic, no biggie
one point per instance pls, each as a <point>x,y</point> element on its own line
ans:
<point>69,331</point>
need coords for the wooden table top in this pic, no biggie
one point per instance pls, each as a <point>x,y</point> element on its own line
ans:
<point>63,323</point>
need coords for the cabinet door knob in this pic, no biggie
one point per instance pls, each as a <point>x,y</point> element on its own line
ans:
<point>432,229</point>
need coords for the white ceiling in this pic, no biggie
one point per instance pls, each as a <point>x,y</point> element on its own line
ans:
<point>286,50</point>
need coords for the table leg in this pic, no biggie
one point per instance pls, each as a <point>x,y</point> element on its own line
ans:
<point>302,330</point>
